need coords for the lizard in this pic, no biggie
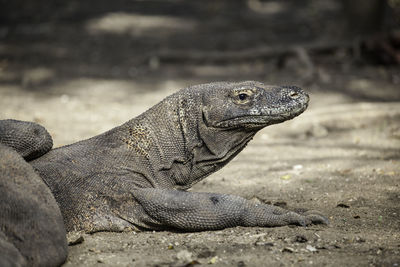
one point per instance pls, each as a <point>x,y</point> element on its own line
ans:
<point>32,231</point>
<point>136,175</point>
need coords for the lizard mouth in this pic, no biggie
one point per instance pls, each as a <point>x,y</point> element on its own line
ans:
<point>268,117</point>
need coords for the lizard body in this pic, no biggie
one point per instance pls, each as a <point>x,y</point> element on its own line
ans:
<point>135,175</point>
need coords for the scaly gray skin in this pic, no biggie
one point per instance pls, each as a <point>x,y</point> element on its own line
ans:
<point>130,175</point>
<point>134,175</point>
<point>32,231</point>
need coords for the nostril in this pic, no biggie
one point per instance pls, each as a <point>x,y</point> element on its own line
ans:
<point>293,94</point>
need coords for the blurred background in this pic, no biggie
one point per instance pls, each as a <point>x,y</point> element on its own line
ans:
<point>76,57</point>
<point>44,43</point>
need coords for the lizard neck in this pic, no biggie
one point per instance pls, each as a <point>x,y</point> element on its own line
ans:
<point>158,141</point>
<point>194,149</point>
<point>178,146</point>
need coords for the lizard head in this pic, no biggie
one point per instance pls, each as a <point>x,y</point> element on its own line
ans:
<point>251,105</point>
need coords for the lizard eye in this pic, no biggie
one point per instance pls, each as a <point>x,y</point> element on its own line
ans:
<point>242,96</point>
<point>293,94</point>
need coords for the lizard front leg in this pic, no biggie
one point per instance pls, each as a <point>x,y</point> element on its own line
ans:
<point>209,211</point>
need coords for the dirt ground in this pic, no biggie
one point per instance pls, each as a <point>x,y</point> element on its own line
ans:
<point>341,157</point>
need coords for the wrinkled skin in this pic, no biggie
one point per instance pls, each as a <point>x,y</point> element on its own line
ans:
<point>32,231</point>
<point>133,175</point>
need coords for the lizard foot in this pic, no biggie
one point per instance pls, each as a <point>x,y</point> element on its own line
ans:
<point>313,217</point>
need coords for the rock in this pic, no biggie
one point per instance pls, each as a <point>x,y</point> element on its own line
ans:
<point>213,260</point>
<point>300,239</point>
<point>266,244</point>
<point>297,167</point>
<point>288,249</point>
<point>360,239</point>
<point>184,256</point>
<point>311,248</point>
<point>75,238</point>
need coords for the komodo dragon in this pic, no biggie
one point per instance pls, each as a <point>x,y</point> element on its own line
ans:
<point>135,175</point>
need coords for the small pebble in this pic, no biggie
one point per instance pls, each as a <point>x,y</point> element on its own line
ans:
<point>184,256</point>
<point>288,249</point>
<point>300,239</point>
<point>311,248</point>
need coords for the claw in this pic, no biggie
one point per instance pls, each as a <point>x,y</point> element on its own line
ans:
<point>313,217</point>
<point>317,219</point>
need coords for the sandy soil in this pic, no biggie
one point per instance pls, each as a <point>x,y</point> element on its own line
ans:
<point>78,74</point>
